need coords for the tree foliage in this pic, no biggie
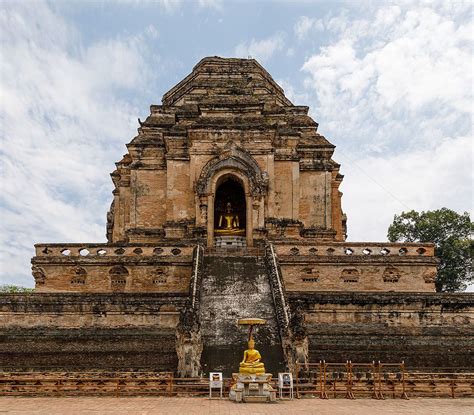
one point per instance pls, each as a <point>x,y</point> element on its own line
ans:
<point>452,236</point>
<point>12,289</point>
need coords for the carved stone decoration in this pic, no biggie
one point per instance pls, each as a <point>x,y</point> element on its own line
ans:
<point>430,276</point>
<point>38,275</point>
<point>110,221</point>
<point>79,277</point>
<point>292,333</point>
<point>203,211</point>
<point>391,274</point>
<point>159,276</point>
<point>188,344</point>
<point>118,277</point>
<point>233,158</point>
<point>297,346</point>
<point>350,275</point>
<point>309,274</point>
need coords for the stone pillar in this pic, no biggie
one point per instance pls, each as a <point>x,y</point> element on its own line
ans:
<point>249,224</point>
<point>261,213</point>
<point>327,199</point>
<point>210,220</point>
<point>295,205</point>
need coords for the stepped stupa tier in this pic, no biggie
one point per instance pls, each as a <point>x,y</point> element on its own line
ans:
<point>227,116</point>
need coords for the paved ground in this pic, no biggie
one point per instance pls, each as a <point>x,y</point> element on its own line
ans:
<point>194,406</point>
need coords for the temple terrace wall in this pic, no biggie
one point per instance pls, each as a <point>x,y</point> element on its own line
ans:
<point>323,266</point>
<point>426,330</point>
<point>138,331</point>
<point>89,331</point>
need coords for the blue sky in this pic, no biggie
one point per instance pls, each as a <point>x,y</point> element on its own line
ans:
<point>390,83</point>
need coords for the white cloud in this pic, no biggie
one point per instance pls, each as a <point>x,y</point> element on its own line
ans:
<point>211,4</point>
<point>377,187</point>
<point>393,90</point>
<point>295,96</point>
<point>304,25</point>
<point>64,123</point>
<point>169,6</point>
<point>262,50</point>
<point>400,69</point>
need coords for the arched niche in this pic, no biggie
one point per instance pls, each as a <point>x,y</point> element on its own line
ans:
<point>233,159</point>
<point>229,206</point>
<point>241,182</point>
<point>239,166</point>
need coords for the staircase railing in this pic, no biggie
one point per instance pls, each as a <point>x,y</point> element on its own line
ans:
<point>188,334</point>
<point>278,289</point>
<point>280,302</point>
<point>292,333</point>
<point>196,277</point>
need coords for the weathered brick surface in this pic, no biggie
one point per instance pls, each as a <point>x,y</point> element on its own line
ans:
<point>87,331</point>
<point>237,288</point>
<point>138,330</point>
<point>138,267</point>
<point>425,330</point>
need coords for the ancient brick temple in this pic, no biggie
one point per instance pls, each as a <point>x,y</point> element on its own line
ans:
<point>227,205</point>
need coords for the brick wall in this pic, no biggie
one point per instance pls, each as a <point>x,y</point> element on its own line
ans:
<point>89,331</point>
<point>426,330</point>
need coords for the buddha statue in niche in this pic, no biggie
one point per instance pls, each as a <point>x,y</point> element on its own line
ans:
<point>251,363</point>
<point>229,223</point>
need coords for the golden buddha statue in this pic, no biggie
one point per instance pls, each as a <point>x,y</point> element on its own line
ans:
<point>229,223</point>
<point>251,363</point>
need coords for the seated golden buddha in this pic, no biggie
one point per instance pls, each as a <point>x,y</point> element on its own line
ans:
<point>251,363</point>
<point>229,223</point>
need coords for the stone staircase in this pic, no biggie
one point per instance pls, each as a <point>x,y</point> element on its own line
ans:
<point>233,287</point>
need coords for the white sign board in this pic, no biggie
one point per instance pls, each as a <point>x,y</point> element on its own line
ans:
<point>285,380</point>
<point>285,384</point>
<point>215,380</point>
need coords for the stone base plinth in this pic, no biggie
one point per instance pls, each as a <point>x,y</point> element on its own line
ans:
<point>230,241</point>
<point>252,388</point>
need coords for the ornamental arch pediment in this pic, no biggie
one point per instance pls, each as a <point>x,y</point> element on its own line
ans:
<point>233,159</point>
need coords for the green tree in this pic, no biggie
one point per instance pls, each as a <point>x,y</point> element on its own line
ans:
<point>12,289</point>
<point>452,236</point>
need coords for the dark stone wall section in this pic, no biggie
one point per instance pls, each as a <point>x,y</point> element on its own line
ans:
<point>426,330</point>
<point>58,331</point>
<point>88,349</point>
<point>137,331</point>
<point>419,352</point>
<point>234,288</point>
<point>88,302</point>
